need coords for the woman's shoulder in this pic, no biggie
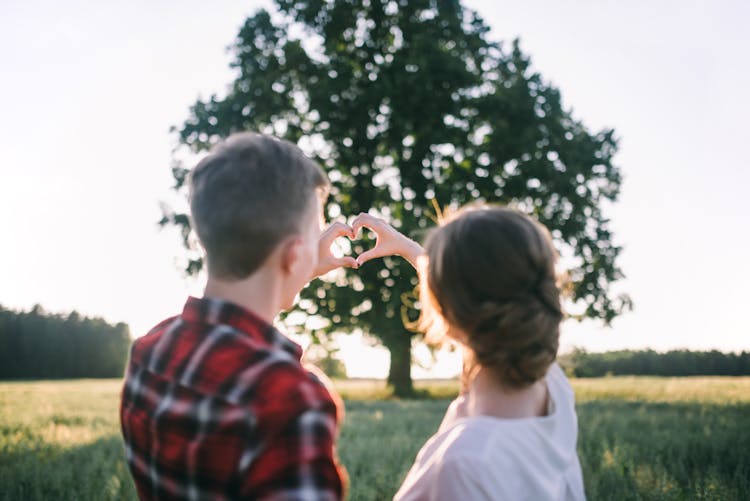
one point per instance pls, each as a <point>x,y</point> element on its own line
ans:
<point>556,374</point>
<point>479,440</point>
<point>560,390</point>
<point>454,464</point>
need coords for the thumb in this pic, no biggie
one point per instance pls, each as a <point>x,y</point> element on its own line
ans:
<point>367,255</point>
<point>347,261</point>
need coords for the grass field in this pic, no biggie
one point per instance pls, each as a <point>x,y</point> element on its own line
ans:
<point>640,438</point>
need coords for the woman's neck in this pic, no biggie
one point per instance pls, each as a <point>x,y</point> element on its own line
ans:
<point>488,396</point>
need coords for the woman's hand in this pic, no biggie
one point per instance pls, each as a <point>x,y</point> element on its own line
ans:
<point>326,260</point>
<point>388,241</point>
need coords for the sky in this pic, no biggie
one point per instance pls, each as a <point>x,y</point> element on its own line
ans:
<point>89,90</point>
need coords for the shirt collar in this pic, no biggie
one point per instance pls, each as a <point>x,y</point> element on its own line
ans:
<point>216,311</point>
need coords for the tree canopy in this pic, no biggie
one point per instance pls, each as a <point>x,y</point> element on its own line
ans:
<point>411,109</point>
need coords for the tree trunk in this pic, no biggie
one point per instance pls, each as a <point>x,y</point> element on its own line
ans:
<point>399,374</point>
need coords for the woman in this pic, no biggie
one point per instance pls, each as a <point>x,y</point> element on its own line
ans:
<point>488,282</point>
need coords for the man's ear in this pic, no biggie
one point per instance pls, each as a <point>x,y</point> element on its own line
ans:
<point>290,253</point>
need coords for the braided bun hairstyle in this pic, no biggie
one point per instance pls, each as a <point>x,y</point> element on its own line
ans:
<point>490,282</point>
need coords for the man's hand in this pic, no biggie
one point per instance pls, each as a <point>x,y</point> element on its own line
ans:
<point>326,260</point>
<point>388,241</point>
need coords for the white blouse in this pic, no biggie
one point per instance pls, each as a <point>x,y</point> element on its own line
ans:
<point>489,458</point>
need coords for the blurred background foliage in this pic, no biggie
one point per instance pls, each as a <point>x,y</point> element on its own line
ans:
<point>36,344</point>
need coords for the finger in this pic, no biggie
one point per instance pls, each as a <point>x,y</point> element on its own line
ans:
<point>336,230</point>
<point>347,261</point>
<point>370,254</point>
<point>339,229</point>
<point>365,220</point>
<point>331,263</point>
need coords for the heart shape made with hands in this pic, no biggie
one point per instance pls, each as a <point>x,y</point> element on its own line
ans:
<point>387,241</point>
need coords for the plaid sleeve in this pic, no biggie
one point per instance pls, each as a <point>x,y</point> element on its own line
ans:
<point>296,459</point>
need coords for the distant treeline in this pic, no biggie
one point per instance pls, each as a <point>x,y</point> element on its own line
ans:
<point>581,363</point>
<point>37,344</point>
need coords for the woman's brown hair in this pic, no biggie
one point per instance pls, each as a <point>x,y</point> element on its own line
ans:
<point>490,273</point>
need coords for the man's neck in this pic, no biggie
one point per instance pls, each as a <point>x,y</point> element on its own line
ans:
<point>258,293</point>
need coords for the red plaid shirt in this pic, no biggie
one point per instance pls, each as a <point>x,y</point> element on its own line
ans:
<point>217,406</point>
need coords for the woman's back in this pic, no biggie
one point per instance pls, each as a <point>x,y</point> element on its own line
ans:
<point>484,457</point>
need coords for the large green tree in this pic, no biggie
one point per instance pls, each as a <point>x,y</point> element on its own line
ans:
<point>410,106</point>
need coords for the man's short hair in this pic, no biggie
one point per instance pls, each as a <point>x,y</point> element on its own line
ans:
<point>246,196</point>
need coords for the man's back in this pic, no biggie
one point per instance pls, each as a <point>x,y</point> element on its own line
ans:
<point>216,405</point>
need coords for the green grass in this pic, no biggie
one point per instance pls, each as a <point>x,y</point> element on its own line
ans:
<point>694,389</point>
<point>60,440</point>
<point>376,389</point>
<point>640,438</point>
